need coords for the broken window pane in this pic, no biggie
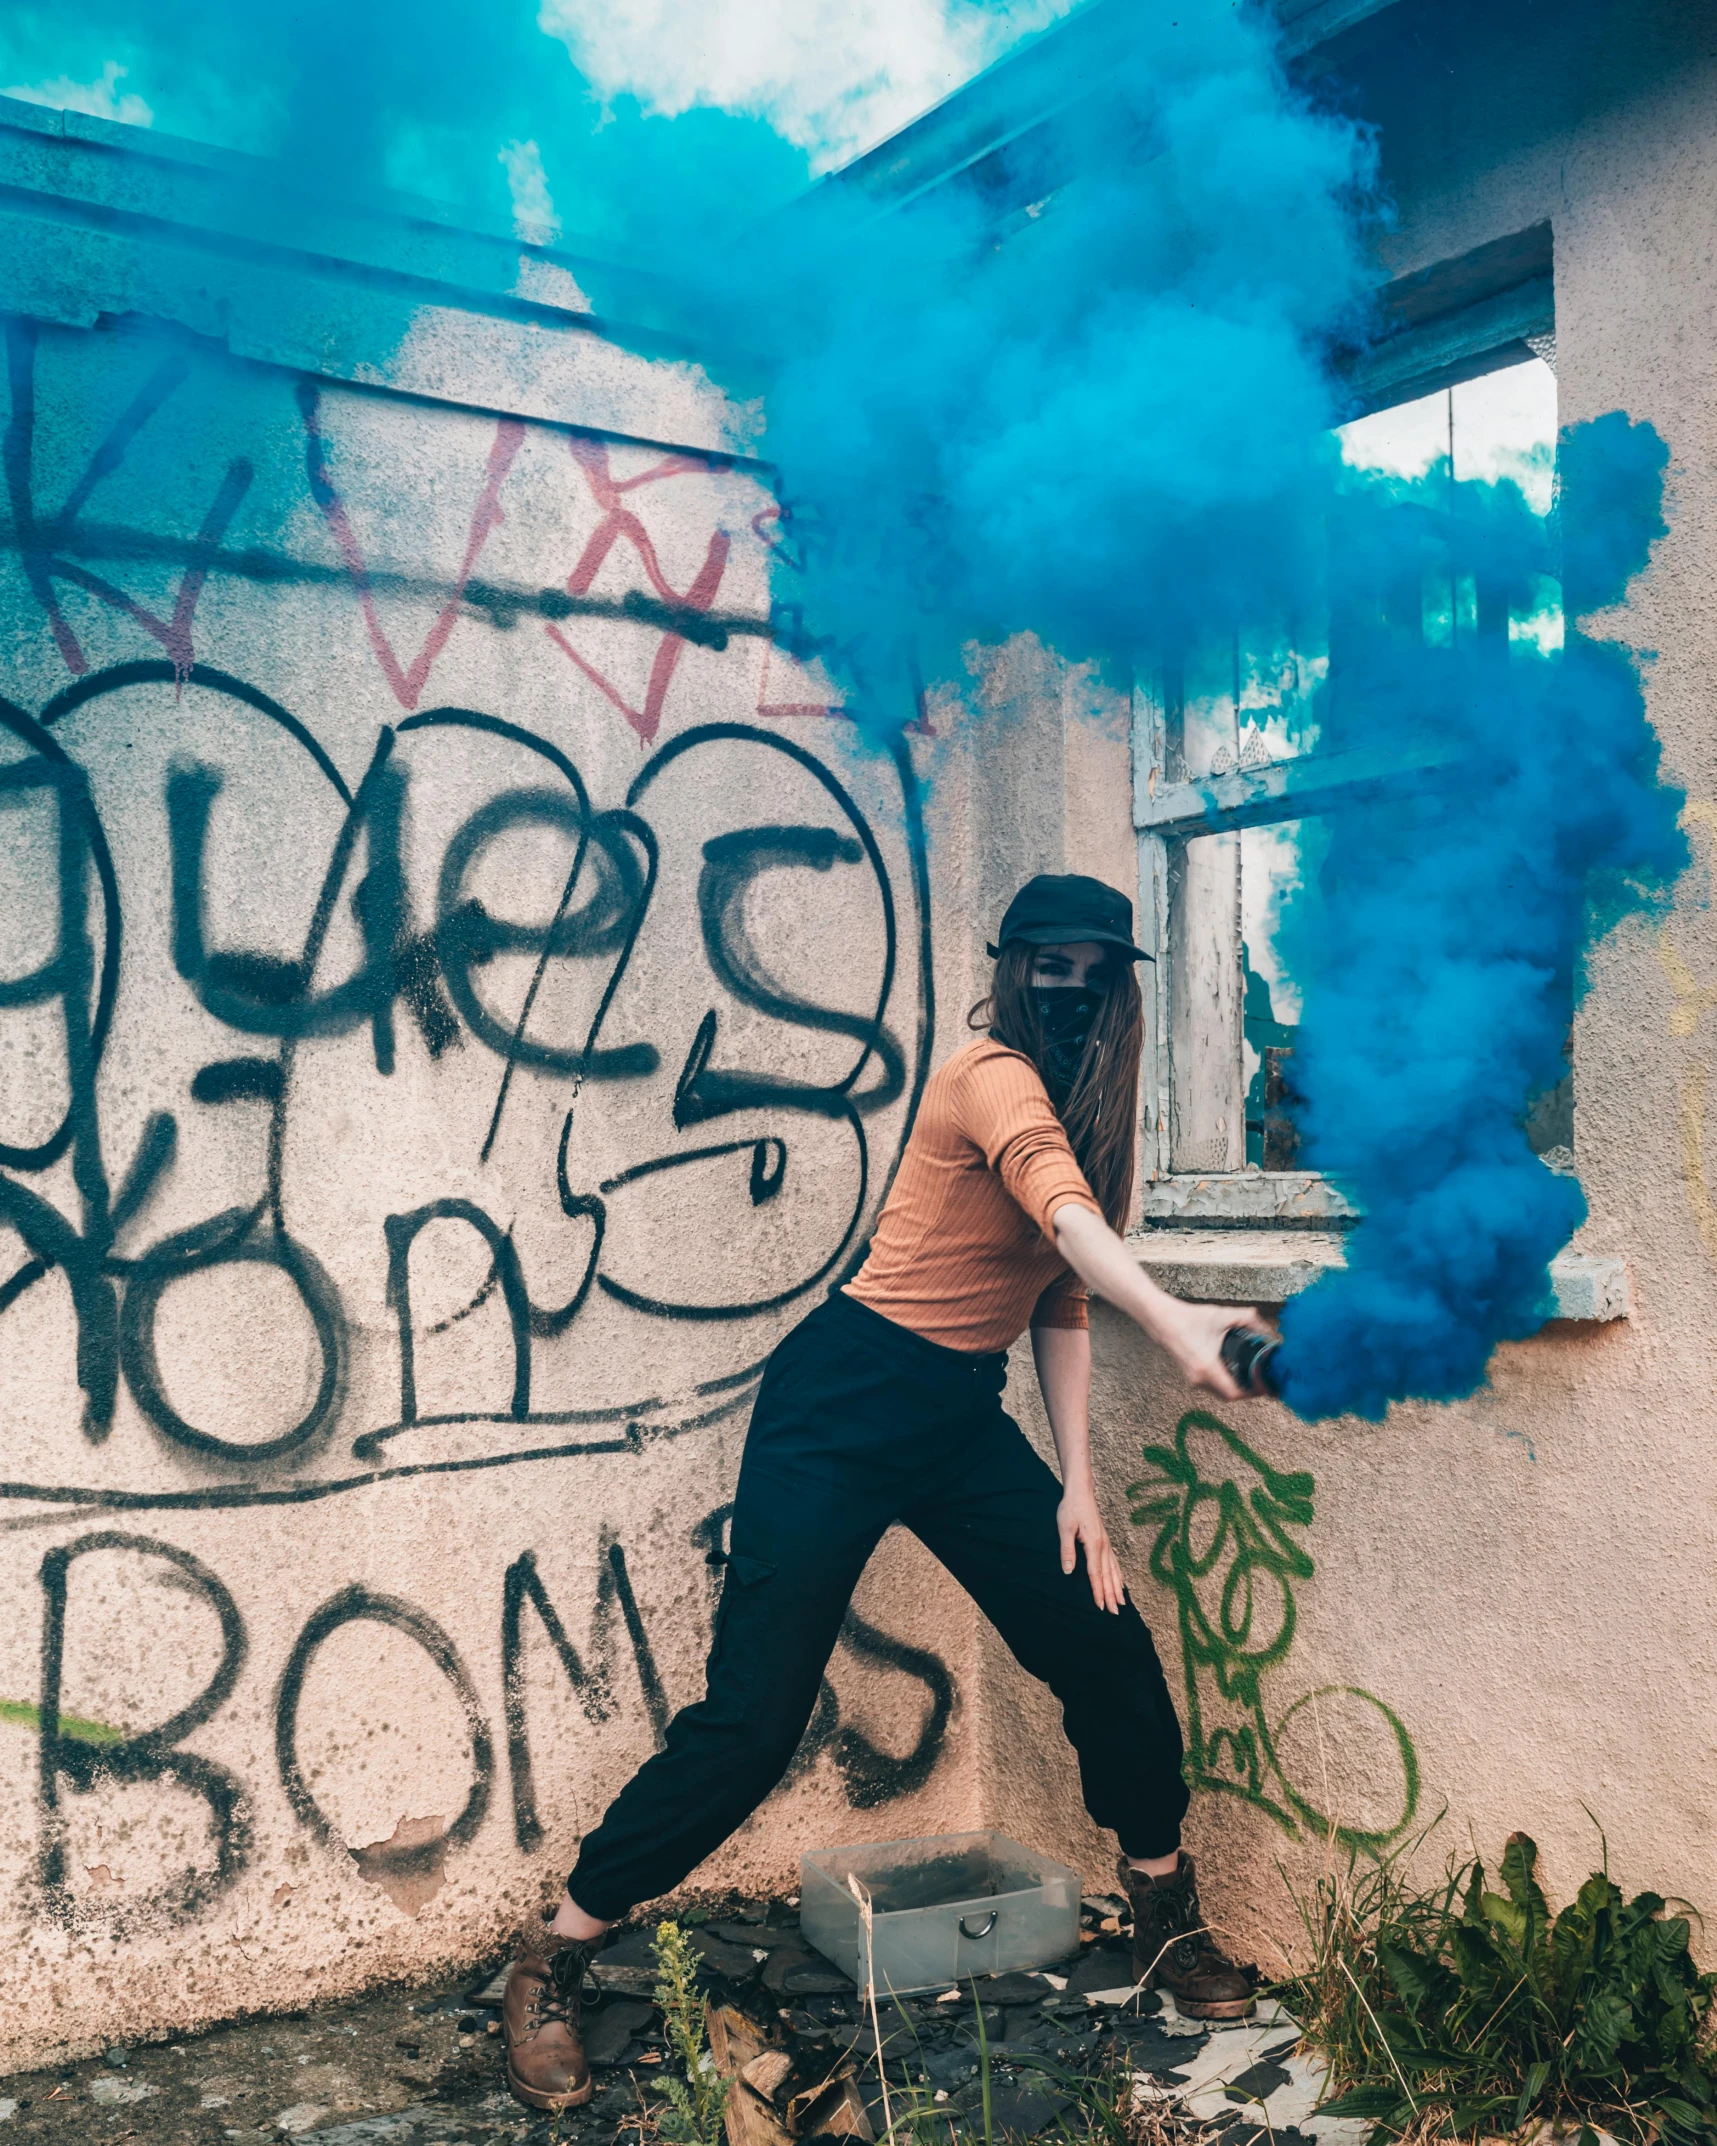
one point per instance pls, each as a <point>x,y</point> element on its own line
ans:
<point>1270,868</point>
<point>1274,692</point>
<point>1499,426</point>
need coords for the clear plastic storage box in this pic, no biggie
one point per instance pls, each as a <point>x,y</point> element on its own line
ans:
<point>940,1909</point>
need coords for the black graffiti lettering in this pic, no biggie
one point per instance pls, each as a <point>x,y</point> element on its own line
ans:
<point>822,1730</point>
<point>262,995</point>
<point>542,1323</point>
<point>732,864</point>
<point>768,1170</point>
<point>82,847</point>
<point>523,1584</point>
<point>69,976</point>
<point>152,1756</point>
<point>401,1232</point>
<point>577,1207</point>
<point>525,1319</point>
<point>617,1582</point>
<point>239,1080</point>
<point>353,1605</point>
<point>704,1090</point>
<point>228,1240</point>
<point>116,1297</point>
<point>154,1158</point>
<point>768,1165</point>
<point>44,540</point>
<point>603,927</point>
<point>872,1776</point>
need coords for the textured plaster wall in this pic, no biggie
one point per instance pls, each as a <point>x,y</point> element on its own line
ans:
<point>1524,1581</point>
<point>452,1023</point>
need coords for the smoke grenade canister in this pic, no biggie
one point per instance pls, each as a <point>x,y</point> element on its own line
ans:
<point>1253,1359</point>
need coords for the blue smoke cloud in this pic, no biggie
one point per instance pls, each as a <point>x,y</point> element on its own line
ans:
<point>1093,403</point>
<point>1443,946</point>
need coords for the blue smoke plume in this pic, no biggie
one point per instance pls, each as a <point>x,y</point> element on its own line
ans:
<point>1094,405</point>
<point>1442,947</point>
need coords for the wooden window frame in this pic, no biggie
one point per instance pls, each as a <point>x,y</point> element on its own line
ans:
<point>1444,324</point>
<point>1193,1071</point>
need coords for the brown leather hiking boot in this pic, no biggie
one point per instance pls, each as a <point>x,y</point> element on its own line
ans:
<point>1173,1951</point>
<point>546,2064</point>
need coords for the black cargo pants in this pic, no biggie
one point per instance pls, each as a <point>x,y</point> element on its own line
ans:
<point>860,1423</point>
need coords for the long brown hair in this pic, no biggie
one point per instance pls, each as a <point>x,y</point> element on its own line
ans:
<point>1101,1109</point>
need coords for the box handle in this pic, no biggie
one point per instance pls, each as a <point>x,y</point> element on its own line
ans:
<point>989,1925</point>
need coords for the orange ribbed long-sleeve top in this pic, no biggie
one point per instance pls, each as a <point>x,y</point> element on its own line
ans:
<point>964,1250</point>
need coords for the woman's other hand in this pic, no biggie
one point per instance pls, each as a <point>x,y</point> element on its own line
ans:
<point>1082,1527</point>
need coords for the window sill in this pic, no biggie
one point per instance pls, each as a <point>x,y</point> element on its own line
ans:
<point>1267,1266</point>
<point>1259,1196</point>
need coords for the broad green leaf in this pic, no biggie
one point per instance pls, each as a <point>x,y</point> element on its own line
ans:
<point>1476,1959</point>
<point>1417,1981</point>
<point>1519,1860</point>
<point>1531,2087</point>
<point>1602,2028</point>
<point>1470,2115</point>
<point>1380,2104</point>
<point>1507,1916</point>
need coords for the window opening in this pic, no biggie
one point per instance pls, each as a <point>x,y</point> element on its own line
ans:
<point>1238,752</point>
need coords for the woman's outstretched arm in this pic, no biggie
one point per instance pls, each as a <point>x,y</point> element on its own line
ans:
<point>1191,1333</point>
<point>1063,1358</point>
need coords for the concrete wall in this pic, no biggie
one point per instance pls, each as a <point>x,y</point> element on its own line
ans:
<point>462,991</point>
<point>1509,1604</point>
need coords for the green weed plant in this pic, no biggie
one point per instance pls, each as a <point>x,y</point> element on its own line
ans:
<point>697,2103</point>
<point>1457,2011</point>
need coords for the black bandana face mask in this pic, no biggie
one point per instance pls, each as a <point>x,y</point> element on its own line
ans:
<point>1067,1014</point>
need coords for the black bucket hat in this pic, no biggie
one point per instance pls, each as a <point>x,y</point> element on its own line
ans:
<point>1057,908</point>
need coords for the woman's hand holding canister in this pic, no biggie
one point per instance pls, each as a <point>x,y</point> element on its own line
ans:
<point>1191,1334</point>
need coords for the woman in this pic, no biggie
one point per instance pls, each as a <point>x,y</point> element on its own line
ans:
<point>883,1406</point>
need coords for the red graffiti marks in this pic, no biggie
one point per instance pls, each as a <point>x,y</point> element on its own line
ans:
<point>619,521</point>
<point>775,711</point>
<point>487,516</point>
<point>42,540</point>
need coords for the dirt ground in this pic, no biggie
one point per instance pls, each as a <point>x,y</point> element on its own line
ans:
<point>403,2066</point>
<point>423,2066</point>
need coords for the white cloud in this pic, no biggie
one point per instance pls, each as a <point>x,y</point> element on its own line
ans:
<point>534,218</point>
<point>833,76</point>
<point>98,99</point>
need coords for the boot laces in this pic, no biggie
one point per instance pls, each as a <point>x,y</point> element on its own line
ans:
<point>1178,1916</point>
<point>560,1995</point>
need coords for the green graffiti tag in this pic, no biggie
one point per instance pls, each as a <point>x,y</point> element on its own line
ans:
<point>1228,1557</point>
